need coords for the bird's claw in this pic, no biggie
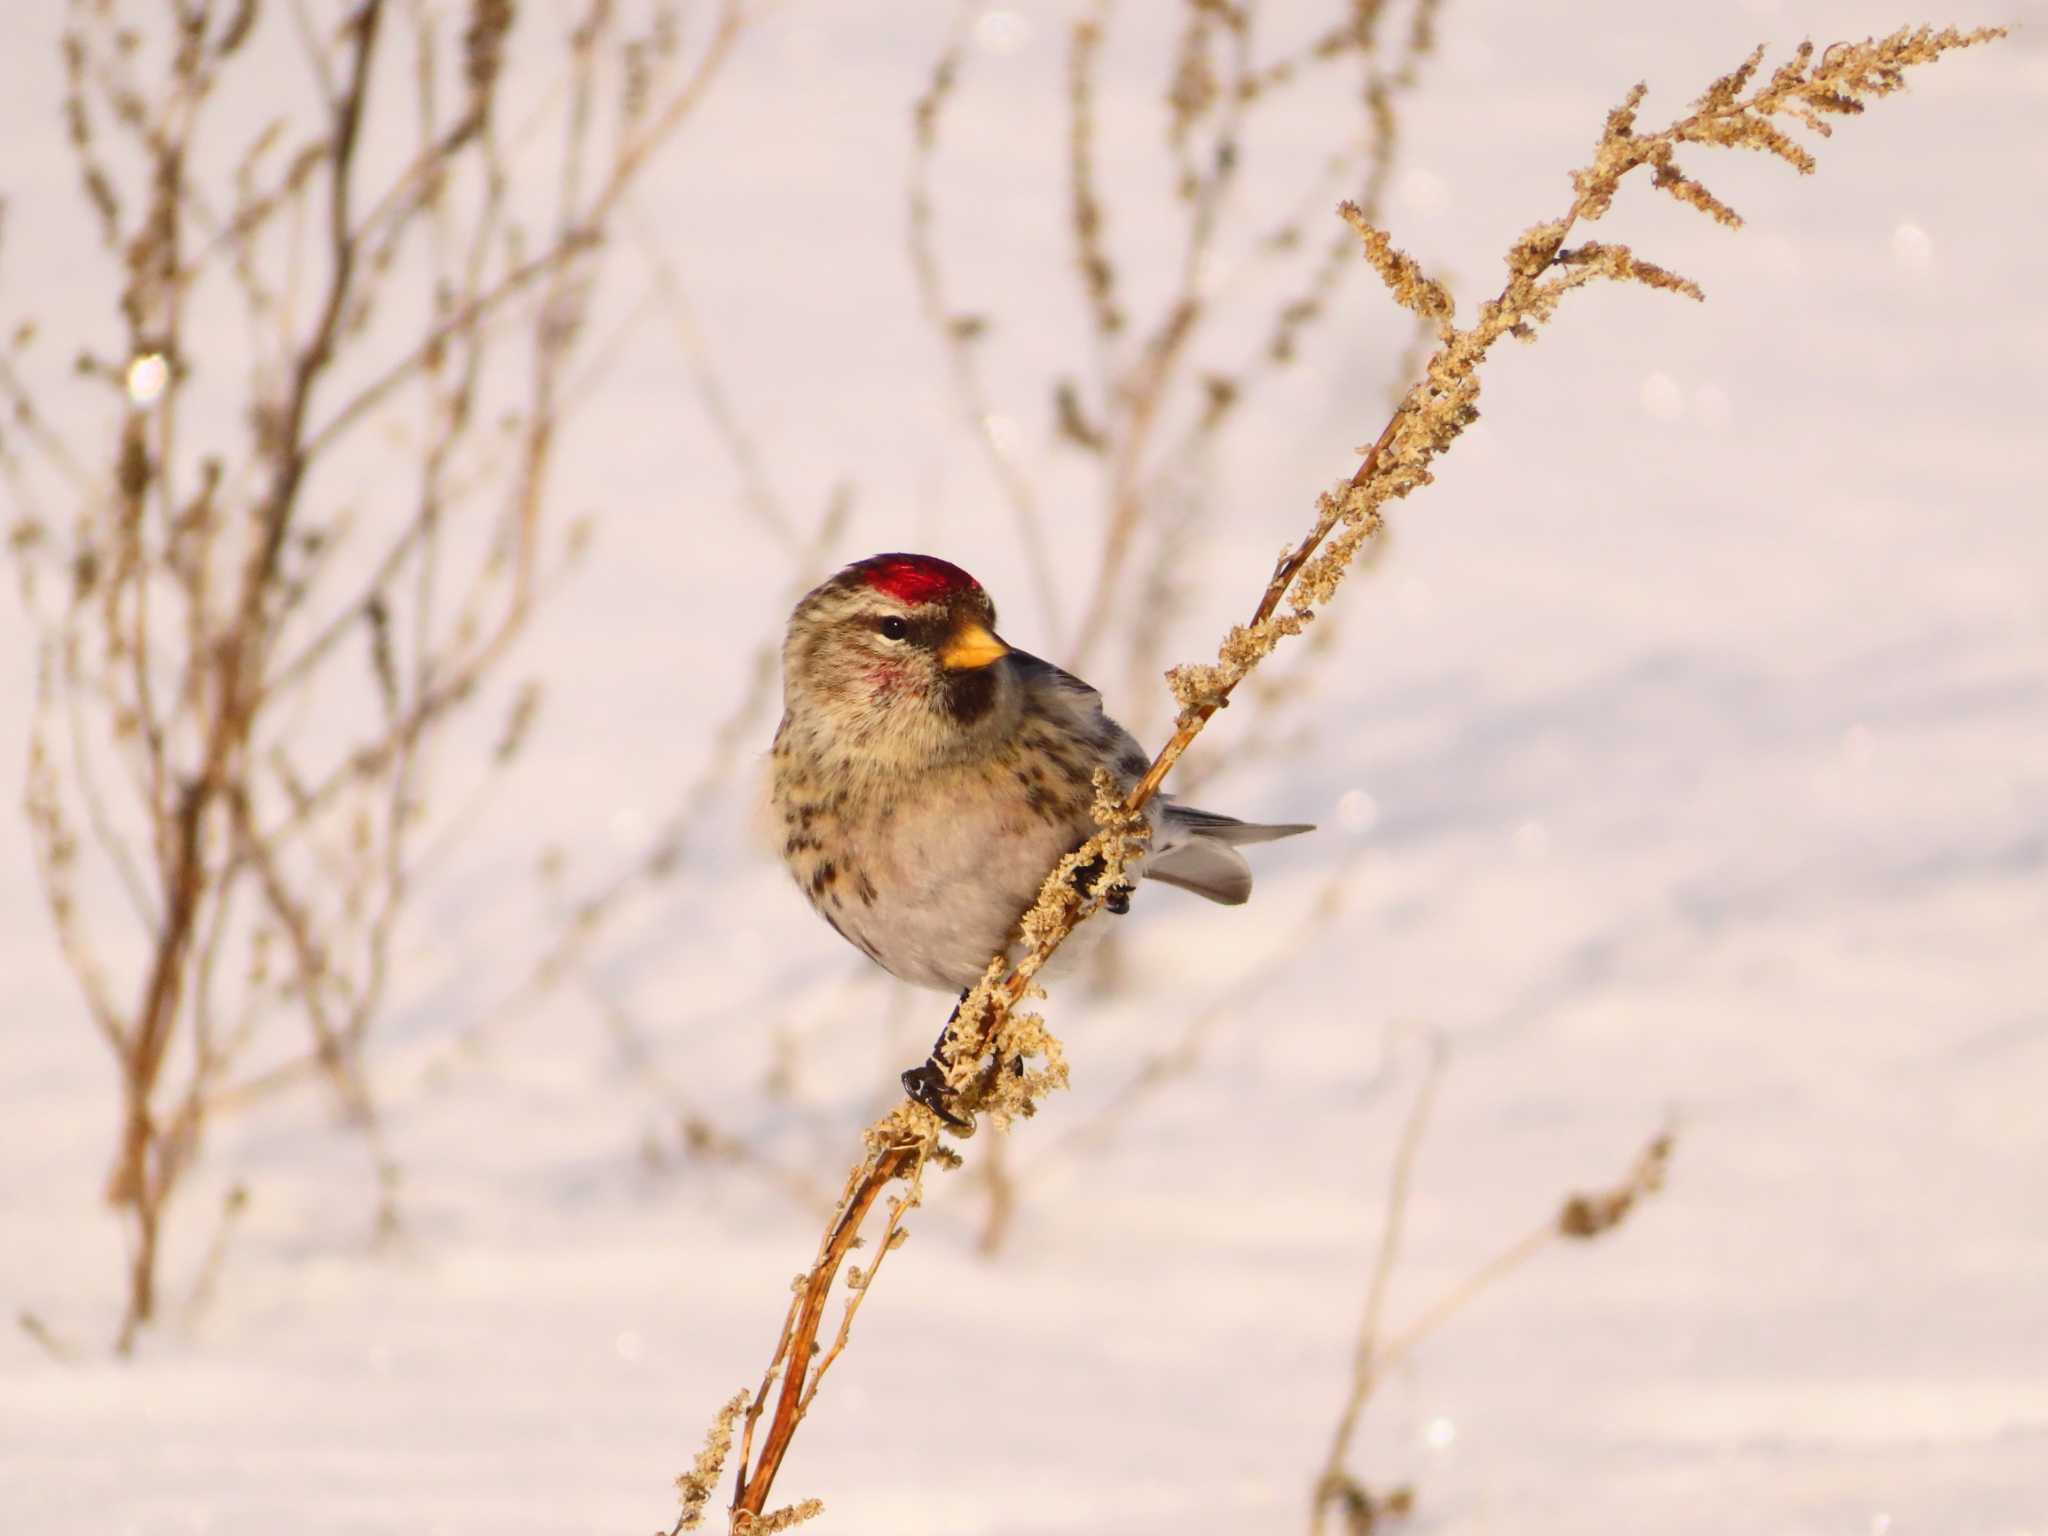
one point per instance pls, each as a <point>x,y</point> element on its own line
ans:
<point>1117,898</point>
<point>926,1085</point>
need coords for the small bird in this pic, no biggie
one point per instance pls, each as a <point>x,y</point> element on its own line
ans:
<point>926,777</point>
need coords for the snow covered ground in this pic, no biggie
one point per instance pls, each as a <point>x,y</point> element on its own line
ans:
<point>1687,758</point>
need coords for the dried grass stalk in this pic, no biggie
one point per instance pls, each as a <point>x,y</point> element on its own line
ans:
<point>202,591</point>
<point>989,1032</point>
<point>1336,1490</point>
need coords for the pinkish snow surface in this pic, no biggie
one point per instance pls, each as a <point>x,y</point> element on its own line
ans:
<point>1687,756</point>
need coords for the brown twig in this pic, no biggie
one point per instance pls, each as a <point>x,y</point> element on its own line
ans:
<point>1365,1355</point>
<point>897,1157</point>
<point>194,634</point>
<point>1426,423</point>
<point>962,334</point>
<point>1578,1217</point>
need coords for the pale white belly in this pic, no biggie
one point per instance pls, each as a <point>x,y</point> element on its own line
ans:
<point>951,876</point>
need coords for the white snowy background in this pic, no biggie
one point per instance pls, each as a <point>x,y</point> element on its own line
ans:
<point>1686,758</point>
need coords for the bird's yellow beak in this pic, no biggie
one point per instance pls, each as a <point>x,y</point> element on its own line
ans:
<point>971,645</point>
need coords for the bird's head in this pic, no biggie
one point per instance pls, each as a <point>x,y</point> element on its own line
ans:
<point>895,662</point>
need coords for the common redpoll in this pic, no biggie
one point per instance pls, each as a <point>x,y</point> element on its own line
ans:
<point>927,776</point>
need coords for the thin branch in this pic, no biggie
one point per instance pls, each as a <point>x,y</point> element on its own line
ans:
<point>961,333</point>
<point>1366,1361</point>
<point>1427,422</point>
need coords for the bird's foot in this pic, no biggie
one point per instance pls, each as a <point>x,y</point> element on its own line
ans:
<point>926,1085</point>
<point>1117,898</point>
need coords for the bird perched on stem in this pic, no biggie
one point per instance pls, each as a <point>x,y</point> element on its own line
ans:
<point>927,776</point>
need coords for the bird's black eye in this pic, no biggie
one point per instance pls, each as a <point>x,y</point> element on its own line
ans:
<point>894,628</point>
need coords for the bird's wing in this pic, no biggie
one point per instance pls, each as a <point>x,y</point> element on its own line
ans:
<point>1060,692</point>
<point>1193,849</point>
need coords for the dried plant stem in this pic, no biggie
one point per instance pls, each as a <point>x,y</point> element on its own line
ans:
<point>52,1344</point>
<point>858,1287</point>
<point>907,1136</point>
<point>1366,1360</point>
<point>146,1169</point>
<point>758,493</point>
<point>701,1136</point>
<point>1578,1216</point>
<point>959,333</point>
<point>201,1296</point>
<point>203,620</point>
<point>1001,1185</point>
<point>1429,419</point>
<point>1135,410</point>
<point>669,849</point>
<point>1172,1062</point>
<point>1134,403</point>
<point>901,1155</point>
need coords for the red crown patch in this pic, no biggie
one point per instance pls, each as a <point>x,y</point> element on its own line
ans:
<point>915,579</point>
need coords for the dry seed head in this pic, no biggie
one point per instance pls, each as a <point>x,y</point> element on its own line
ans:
<point>1722,93</point>
<point>907,1124</point>
<point>777,1519</point>
<point>1021,1038</point>
<point>1668,178</point>
<point>697,1485</point>
<point>1098,274</point>
<point>1193,90</point>
<point>1620,264</point>
<point>1411,289</point>
<point>1587,1216</point>
<point>986,1022</point>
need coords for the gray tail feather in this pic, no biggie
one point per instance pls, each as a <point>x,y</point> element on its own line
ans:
<point>1234,833</point>
<point>1206,867</point>
<point>1208,862</point>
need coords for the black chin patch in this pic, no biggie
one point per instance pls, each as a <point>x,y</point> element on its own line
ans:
<point>968,694</point>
